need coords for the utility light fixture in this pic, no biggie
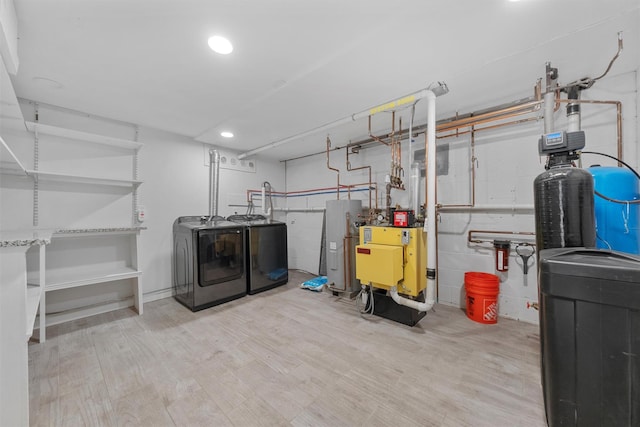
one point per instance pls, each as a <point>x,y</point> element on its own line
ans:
<point>226,134</point>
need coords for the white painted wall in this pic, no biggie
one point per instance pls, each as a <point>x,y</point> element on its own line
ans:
<point>507,164</point>
<point>175,172</point>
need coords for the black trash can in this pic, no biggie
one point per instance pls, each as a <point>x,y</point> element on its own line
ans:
<point>590,337</point>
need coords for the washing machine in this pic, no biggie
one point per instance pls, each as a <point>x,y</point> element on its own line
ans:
<point>208,261</point>
<point>265,251</point>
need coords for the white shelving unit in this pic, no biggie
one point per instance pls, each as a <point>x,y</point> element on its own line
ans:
<point>91,257</point>
<point>85,257</point>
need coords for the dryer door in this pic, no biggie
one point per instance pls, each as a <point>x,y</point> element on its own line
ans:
<point>220,255</point>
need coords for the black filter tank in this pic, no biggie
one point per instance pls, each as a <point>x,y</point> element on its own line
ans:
<point>563,199</point>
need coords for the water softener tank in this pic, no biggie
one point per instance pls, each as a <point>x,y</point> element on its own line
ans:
<point>617,224</point>
<point>563,198</point>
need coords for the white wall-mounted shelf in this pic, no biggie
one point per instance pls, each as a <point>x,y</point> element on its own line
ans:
<point>92,232</point>
<point>83,277</point>
<point>82,179</point>
<point>10,168</point>
<point>82,136</point>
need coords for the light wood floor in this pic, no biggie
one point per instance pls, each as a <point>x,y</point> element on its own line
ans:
<point>285,357</point>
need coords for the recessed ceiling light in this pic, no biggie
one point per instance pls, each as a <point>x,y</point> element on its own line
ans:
<point>220,45</point>
<point>226,134</point>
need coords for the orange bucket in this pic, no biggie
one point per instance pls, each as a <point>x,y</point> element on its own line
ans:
<point>482,296</point>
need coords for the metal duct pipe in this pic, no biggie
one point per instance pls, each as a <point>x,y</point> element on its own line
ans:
<point>214,182</point>
<point>267,199</point>
<point>333,169</point>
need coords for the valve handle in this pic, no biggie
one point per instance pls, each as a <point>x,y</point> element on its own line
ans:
<point>523,252</point>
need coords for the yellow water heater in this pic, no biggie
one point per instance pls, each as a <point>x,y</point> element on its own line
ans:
<point>392,256</point>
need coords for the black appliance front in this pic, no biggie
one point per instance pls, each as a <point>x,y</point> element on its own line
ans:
<point>590,337</point>
<point>267,257</point>
<point>209,264</point>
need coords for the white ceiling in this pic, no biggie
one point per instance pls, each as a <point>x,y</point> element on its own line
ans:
<point>300,64</point>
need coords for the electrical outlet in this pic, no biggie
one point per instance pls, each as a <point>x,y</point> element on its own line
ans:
<point>140,214</point>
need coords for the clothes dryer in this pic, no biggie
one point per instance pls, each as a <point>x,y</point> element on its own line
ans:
<point>208,261</point>
<point>266,252</point>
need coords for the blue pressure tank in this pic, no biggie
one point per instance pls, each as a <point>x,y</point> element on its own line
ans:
<point>617,224</point>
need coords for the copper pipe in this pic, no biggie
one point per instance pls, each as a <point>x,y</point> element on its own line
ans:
<point>347,250</point>
<point>426,178</point>
<point>489,120</point>
<point>451,135</point>
<point>346,256</point>
<point>508,112</point>
<point>514,122</point>
<point>618,105</point>
<point>400,170</point>
<point>499,125</point>
<point>394,150</point>
<point>350,169</point>
<point>493,115</point>
<point>537,90</point>
<point>375,138</point>
<point>474,161</point>
<point>393,124</point>
<point>388,201</point>
<point>396,171</point>
<point>514,233</point>
<point>333,169</point>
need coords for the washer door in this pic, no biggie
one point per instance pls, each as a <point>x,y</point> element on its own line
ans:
<point>220,255</point>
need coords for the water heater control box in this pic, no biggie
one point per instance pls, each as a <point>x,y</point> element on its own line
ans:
<point>561,142</point>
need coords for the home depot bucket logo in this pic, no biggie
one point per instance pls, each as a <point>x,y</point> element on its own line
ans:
<point>491,310</point>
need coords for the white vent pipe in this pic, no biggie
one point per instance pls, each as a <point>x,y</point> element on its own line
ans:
<point>267,200</point>
<point>414,203</point>
<point>430,220</point>
<point>214,182</point>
